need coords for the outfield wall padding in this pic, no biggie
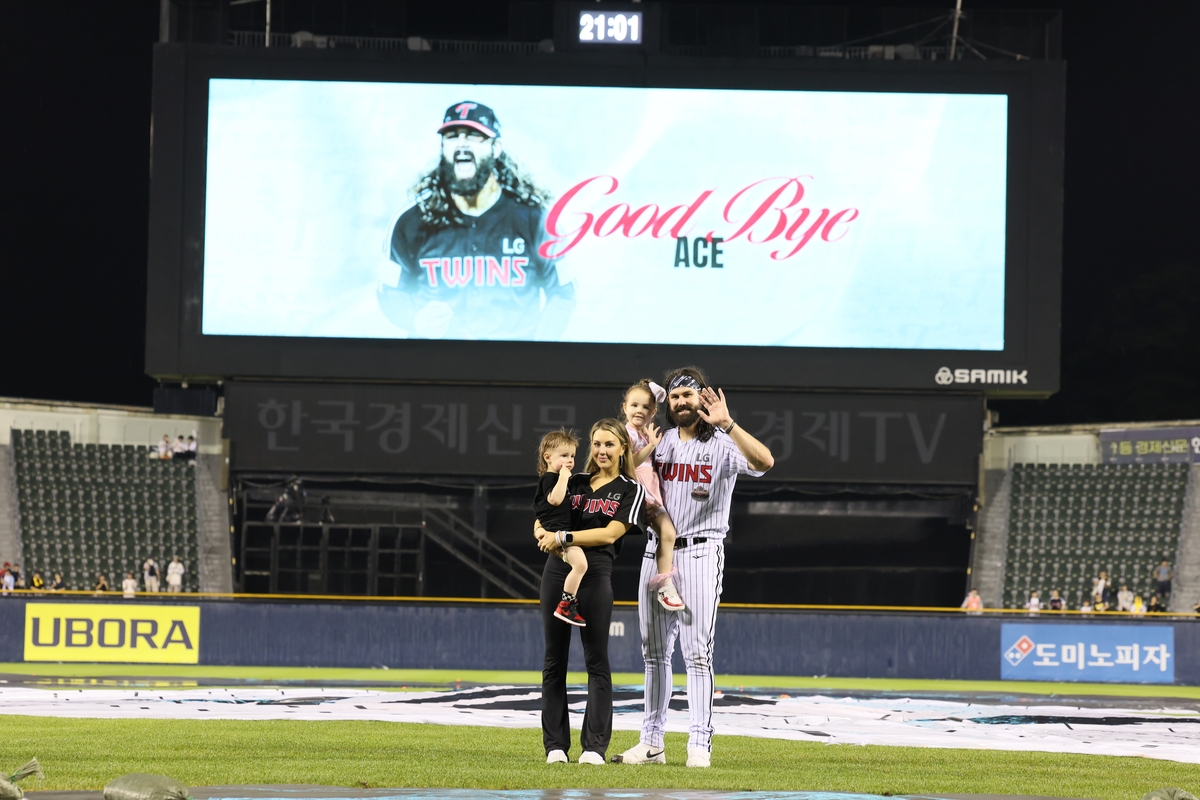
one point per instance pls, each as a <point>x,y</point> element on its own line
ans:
<point>509,637</point>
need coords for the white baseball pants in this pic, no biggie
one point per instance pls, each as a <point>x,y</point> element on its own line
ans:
<point>699,569</point>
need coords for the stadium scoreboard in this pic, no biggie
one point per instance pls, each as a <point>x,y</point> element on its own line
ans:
<point>613,27</point>
<point>859,225</point>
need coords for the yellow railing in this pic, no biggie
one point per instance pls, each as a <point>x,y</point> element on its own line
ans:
<point>189,596</point>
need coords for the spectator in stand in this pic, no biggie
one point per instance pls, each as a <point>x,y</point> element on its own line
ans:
<point>1139,607</point>
<point>1034,605</point>
<point>1124,599</point>
<point>129,586</point>
<point>179,448</point>
<point>175,572</point>
<point>1056,602</point>
<point>973,603</point>
<point>18,578</point>
<point>101,584</point>
<point>1156,606</point>
<point>1101,586</point>
<point>193,447</point>
<point>150,574</point>
<point>1163,575</point>
<point>37,583</point>
<point>1099,604</point>
<point>58,585</point>
<point>7,581</point>
<point>1087,607</point>
<point>164,447</point>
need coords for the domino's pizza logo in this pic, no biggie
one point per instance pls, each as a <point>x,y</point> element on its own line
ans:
<point>1020,648</point>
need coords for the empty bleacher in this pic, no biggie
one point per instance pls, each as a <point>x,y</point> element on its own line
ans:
<point>85,510</point>
<point>1067,522</point>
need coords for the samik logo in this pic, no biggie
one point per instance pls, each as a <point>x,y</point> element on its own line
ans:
<point>946,376</point>
<point>109,632</point>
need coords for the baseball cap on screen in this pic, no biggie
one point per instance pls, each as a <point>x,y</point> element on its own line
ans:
<point>471,115</point>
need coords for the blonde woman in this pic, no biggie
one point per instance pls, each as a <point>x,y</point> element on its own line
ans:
<point>606,502</point>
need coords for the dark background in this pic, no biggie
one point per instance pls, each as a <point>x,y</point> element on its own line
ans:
<point>76,142</point>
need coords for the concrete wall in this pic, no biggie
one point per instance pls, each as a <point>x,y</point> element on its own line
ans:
<point>10,540</point>
<point>991,537</point>
<point>748,642</point>
<point>1002,449</point>
<point>1185,589</point>
<point>107,424</point>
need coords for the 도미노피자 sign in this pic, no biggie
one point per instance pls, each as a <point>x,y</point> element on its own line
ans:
<point>1088,653</point>
<point>131,633</point>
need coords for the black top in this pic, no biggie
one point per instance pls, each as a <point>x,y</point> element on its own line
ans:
<point>552,517</point>
<point>486,270</point>
<point>620,499</point>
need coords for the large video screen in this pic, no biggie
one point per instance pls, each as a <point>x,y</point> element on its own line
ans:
<point>526,213</point>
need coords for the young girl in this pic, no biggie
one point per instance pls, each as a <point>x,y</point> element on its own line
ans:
<point>556,459</point>
<point>638,410</point>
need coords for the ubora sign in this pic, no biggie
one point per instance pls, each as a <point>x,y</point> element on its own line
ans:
<point>133,633</point>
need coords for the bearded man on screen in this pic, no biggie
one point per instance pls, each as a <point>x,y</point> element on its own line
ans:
<point>468,248</point>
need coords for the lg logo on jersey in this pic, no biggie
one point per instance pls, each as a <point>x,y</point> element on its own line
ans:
<point>515,249</point>
<point>945,376</point>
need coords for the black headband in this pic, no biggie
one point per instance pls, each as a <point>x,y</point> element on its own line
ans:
<point>684,380</point>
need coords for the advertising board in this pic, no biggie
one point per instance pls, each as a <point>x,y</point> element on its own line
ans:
<point>110,632</point>
<point>1150,445</point>
<point>1090,653</point>
<point>495,431</point>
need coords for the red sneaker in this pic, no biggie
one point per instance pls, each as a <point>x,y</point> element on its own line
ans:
<point>568,612</point>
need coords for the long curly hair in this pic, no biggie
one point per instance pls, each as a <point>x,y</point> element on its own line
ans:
<point>704,430</point>
<point>438,209</point>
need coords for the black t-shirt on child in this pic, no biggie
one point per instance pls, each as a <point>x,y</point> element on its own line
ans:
<point>552,517</point>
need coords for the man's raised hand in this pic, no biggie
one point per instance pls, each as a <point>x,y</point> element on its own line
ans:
<point>713,409</point>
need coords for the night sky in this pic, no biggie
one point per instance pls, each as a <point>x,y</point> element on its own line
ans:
<point>76,148</point>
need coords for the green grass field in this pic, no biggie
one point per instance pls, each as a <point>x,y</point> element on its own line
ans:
<point>86,754</point>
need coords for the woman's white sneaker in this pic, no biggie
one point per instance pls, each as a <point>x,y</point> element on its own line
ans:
<point>699,757</point>
<point>589,757</point>
<point>556,757</point>
<point>642,754</point>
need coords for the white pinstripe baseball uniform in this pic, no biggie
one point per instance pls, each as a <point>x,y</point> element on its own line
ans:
<point>697,485</point>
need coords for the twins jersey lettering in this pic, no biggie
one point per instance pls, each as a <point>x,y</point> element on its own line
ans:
<point>697,484</point>
<point>486,270</point>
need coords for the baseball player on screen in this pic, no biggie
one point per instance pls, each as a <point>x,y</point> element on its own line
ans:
<point>698,462</point>
<point>467,250</point>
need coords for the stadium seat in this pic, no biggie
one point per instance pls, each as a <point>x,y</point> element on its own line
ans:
<point>81,507</point>
<point>1067,523</point>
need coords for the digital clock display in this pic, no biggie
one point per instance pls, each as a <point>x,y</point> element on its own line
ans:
<point>610,27</point>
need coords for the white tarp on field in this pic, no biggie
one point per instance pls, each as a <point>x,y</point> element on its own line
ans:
<point>1165,733</point>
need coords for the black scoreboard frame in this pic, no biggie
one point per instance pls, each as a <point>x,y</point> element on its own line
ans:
<point>1028,366</point>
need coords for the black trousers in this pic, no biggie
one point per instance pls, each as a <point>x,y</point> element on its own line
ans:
<point>595,606</point>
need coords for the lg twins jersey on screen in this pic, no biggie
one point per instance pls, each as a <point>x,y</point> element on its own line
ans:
<point>697,482</point>
<point>486,271</point>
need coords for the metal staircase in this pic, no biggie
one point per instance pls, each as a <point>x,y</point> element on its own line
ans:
<point>476,552</point>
